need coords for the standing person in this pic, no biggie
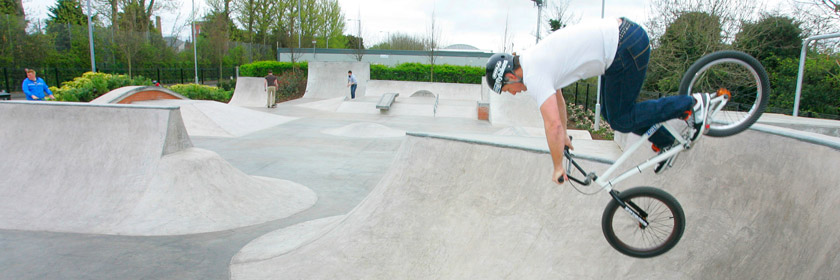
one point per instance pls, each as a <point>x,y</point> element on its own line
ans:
<point>35,88</point>
<point>618,49</point>
<point>352,83</point>
<point>270,89</point>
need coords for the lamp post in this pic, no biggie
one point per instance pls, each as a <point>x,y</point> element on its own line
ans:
<point>313,49</point>
<point>539,4</point>
<point>359,33</point>
<point>195,43</point>
<point>90,38</point>
<point>598,92</point>
<point>300,24</point>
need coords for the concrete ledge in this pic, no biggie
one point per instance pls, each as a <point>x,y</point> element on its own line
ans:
<point>386,100</point>
<point>530,144</point>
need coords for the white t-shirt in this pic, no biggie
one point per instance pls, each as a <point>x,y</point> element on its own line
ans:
<point>577,52</point>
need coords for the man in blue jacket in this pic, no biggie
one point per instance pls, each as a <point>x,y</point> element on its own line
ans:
<point>35,88</point>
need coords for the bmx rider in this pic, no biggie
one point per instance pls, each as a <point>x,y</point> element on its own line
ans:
<point>617,49</point>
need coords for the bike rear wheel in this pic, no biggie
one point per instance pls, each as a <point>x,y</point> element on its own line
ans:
<point>737,73</point>
<point>662,212</point>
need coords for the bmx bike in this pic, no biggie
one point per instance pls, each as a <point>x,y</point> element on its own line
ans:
<point>653,221</point>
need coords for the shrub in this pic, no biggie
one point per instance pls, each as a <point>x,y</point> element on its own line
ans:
<point>402,72</point>
<point>260,68</point>
<point>92,85</point>
<point>202,92</point>
<point>421,72</point>
<point>291,86</point>
<point>581,118</point>
<point>227,85</point>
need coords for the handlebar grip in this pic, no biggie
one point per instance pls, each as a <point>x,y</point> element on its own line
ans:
<point>560,180</point>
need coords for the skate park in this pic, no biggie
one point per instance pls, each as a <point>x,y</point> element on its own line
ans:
<point>328,187</point>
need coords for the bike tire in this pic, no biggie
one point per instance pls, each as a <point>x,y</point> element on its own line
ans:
<point>747,81</point>
<point>662,234</point>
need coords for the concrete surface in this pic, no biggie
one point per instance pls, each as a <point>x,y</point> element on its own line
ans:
<point>329,79</point>
<point>514,110</point>
<point>457,210</point>
<point>460,199</point>
<point>216,119</point>
<point>443,90</point>
<point>820,126</point>
<point>249,92</point>
<point>126,170</point>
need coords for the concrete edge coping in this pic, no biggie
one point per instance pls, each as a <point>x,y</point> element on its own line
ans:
<point>82,104</point>
<point>813,138</point>
<point>809,137</point>
<point>503,145</point>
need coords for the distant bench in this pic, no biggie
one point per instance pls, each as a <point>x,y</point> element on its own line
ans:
<point>386,100</point>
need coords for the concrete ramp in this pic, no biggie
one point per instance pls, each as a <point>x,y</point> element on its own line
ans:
<point>118,169</point>
<point>249,92</point>
<point>215,119</point>
<point>329,79</point>
<point>757,206</point>
<point>451,91</point>
<point>514,110</point>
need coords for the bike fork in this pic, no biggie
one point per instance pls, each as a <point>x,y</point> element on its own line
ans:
<point>634,210</point>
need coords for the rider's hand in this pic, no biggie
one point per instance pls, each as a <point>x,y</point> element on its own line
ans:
<point>568,143</point>
<point>559,172</point>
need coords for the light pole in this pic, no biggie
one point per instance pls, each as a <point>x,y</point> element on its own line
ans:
<point>598,92</point>
<point>300,30</point>
<point>313,49</point>
<point>539,4</point>
<point>90,39</point>
<point>195,43</point>
<point>359,33</point>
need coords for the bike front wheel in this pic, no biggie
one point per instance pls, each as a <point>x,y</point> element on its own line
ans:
<point>732,72</point>
<point>664,216</point>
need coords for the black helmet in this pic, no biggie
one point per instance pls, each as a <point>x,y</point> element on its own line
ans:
<point>497,66</point>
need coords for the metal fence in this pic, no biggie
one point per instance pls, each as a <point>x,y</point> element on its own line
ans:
<point>12,78</point>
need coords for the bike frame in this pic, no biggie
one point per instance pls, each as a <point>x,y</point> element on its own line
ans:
<point>607,182</point>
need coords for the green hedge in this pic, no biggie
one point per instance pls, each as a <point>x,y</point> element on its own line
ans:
<point>202,92</point>
<point>92,85</point>
<point>260,68</point>
<point>403,72</point>
<point>421,72</point>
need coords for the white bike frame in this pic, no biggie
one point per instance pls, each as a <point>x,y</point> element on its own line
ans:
<point>607,182</point>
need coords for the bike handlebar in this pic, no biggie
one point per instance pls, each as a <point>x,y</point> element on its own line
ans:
<point>589,176</point>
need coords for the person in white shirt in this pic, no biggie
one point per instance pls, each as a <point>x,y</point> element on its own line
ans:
<point>618,49</point>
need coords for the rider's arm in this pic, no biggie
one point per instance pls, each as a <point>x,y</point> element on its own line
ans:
<point>554,119</point>
<point>47,90</point>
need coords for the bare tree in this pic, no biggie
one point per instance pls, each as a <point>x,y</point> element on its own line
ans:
<point>432,44</point>
<point>730,12</point>
<point>818,16</point>
<point>507,37</point>
<point>218,31</point>
<point>400,41</point>
<point>560,16</point>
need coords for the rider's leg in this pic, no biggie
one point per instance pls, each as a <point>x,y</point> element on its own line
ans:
<point>622,83</point>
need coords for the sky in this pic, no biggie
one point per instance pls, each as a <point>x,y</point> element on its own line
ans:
<point>480,23</point>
